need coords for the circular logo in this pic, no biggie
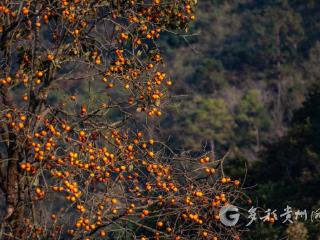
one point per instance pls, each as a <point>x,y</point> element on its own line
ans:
<point>229,215</point>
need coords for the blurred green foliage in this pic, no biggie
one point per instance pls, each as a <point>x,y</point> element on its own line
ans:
<point>241,76</point>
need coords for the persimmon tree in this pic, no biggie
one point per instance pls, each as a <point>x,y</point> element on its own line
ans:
<point>80,82</point>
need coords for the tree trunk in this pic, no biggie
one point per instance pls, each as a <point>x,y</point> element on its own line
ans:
<point>14,218</point>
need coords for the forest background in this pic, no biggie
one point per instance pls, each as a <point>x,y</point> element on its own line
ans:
<point>247,79</point>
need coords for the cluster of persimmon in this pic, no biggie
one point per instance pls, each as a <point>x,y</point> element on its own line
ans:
<point>23,78</point>
<point>102,165</point>
<point>14,11</point>
<point>146,20</point>
<point>14,119</point>
<point>211,170</point>
<point>7,11</point>
<point>150,92</point>
<point>218,199</point>
<point>6,80</point>
<point>104,175</point>
<point>39,192</point>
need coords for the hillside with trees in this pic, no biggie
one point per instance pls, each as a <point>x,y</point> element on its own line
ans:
<point>256,58</point>
<point>246,77</point>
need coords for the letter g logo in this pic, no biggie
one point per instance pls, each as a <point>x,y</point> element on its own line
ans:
<point>229,215</point>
